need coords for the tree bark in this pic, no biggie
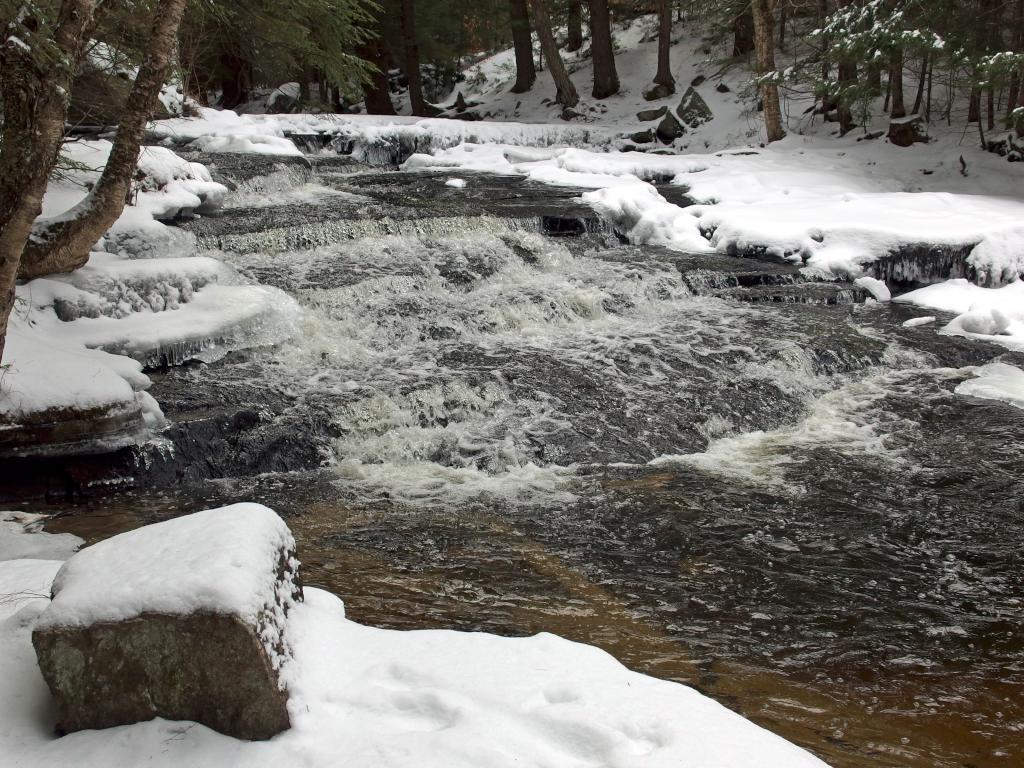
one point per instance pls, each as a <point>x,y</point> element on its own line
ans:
<point>565,91</point>
<point>574,41</point>
<point>899,109</point>
<point>234,86</point>
<point>764,42</point>
<point>412,58</point>
<point>522,42</point>
<point>35,97</point>
<point>921,82</point>
<point>64,245</point>
<point>847,74</point>
<point>377,95</point>
<point>606,79</point>
<point>664,75</point>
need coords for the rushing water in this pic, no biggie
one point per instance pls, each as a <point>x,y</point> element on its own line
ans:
<point>496,417</point>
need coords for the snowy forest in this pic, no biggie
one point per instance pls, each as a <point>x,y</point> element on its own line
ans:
<point>542,383</point>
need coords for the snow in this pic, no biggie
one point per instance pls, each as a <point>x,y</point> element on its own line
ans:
<point>457,183</point>
<point>130,299</point>
<point>987,314</point>
<point>366,696</point>
<point>996,381</point>
<point>21,537</point>
<point>47,373</point>
<point>815,207</point>
<point>220,560</point>
<point>918,321</point>
<point>877,288</point>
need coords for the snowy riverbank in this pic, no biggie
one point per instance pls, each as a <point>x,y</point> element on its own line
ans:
<point>387,698</point>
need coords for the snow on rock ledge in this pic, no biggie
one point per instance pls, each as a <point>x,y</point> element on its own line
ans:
<point>184,619</point>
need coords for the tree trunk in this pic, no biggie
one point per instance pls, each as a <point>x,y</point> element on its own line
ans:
<point>35,98</point>
<point>321,87</point>
<point>664,76</point>
<point>974,106</point>
<point>606,79</point>
<point>522,42</point>
<point>575,22</point>
<point>1020,105</point>
<point>743,32</point>
<point>63,246</point>
<point>565,90</point>
<point>234,86</point>
<point>764,41</point>
<point>376,94</point>
<point>412,58</point>
<point>847,75</point>
<point>921,82</point>
<point>899,109</point>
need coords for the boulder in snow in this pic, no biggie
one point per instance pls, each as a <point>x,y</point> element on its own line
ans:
<point>642,137</point>
<point>693,110</point>
<point>669,129</point>
<point>905,131</point>
<point>647,115</point>
<point>184,619</point>
<point>657,92</point>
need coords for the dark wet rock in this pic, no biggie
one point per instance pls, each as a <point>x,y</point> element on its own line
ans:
<point>698,81</point>
<point>570,114</point>
<point>669,129</point>
<point>722,88</point>
<point>693,110</point>
<point>798,293</point>
<point>216,666</point>
<point>906,131</point>
<point>71,431</point>
<point>643,137</point>
<point>657,91</point>
<point>647,115</point>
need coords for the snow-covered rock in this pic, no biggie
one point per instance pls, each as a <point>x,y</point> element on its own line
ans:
<point>183,619</point>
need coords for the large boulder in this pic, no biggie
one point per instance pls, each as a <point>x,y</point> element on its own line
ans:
<point>669,129</point>
<point>693,110</point>
<point>647,115</point>
<point>184,619</point>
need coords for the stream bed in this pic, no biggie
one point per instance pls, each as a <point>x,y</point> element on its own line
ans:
<point>498,417</point>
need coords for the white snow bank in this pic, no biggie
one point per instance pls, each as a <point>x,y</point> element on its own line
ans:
<point>996,381</point>
<point>821,209</point>
<point>988,314</point>
<point>21,537</point>
<point>255,144</point>
<point>389,699</point>
<point>220,560</point>
<point>46,373</point>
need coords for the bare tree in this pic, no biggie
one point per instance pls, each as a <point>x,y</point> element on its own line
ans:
<point>565,90</point>
<point>36,71</point>
<point>64,245</point>
<point>664,75</point>
<point>764,44</point>
<point>522,42</point>
<point>606,79</point>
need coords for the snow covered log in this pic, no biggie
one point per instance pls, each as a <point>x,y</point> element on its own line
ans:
<point>184,620</point>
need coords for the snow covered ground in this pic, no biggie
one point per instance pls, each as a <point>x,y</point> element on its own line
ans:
<point>362,696</point>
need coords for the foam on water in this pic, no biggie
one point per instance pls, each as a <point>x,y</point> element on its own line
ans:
<point>493,364</point>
